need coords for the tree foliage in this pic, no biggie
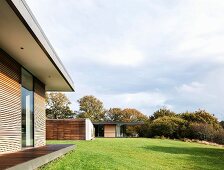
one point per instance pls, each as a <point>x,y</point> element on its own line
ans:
<point>58,106</point>
<point>162,112</point>
<point>132,115</point>
<point>92,108</point>
<point>199,125</point>
<point>114,114</point>
<point>200,116</point>
<point>222,124</point>
<point>168,126</point>
<point>125,115</point>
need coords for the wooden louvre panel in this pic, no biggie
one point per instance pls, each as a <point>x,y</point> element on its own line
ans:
<point>67,129</point>
<point>109,131</point>
<point>10,104</point>
<point>39,114</point>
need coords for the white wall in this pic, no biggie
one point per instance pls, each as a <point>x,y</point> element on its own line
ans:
<point>89,130</point>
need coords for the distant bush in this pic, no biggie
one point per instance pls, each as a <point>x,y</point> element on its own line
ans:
<point>145,130</point>
<point>171,127</point>
<point>200,116</point>
<point>219,136</point>
<point>222,124</point>
<point>198,125</point>
<point>162,112</point>
<point>207,132</point>
<point>201,131</point>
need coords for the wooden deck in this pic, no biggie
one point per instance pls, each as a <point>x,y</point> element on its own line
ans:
<point>34,157</point>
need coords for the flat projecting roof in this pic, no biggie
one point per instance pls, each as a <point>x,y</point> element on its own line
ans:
<point>118,123</point>
<point>23,39</point>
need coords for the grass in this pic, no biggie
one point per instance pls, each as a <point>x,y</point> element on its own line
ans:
<point>138,153</point>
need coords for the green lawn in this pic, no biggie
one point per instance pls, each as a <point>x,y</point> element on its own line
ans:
<point>139,153</point>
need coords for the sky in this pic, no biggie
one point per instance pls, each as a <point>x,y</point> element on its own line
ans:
<point>143,54</point>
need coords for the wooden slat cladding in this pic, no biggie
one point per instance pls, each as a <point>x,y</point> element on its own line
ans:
<point>109,131</point>
<point>10,104</point>
<point>67,129</point>
<point>39,114</point>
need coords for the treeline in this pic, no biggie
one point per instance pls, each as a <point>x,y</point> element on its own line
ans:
<point>92,108</point>
<point>199,125</point>
<point>58,107</point>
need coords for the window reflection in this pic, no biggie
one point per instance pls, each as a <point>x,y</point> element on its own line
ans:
<point>27,109</point>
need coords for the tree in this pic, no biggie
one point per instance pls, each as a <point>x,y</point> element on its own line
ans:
<point>126,115</point>
<point>92,108</point>
<point>162,112</point>
<point>132,115</point>
<point>200,116</point>
<point>58,106</point>
<point>114,114</point>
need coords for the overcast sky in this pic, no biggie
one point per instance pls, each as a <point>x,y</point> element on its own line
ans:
<point>142,54</point>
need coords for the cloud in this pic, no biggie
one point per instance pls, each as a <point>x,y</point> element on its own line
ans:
<point>192,88</point>
<point>142,54</point>
<point>123,56</point>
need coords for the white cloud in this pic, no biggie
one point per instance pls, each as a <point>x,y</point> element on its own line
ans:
<point>146,102</point>
<point>123,55</point>
<point>192,88</point>
<point>140,46</point>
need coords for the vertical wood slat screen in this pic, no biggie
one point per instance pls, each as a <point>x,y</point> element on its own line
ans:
<point>10,104</point>
<point>109,131</point>
<point>67,129</point>
<point>39,114</point>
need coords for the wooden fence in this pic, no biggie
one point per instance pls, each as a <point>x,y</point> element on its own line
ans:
<point>65,129</point>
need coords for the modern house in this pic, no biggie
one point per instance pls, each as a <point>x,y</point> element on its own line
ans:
<point>29,67</point>
<point>69,129</point>
<point>112,129</point>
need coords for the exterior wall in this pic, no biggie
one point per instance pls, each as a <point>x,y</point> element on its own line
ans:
<point>10,107</point>
<point>66,129</point>
<point>39,114</point>
<point>89,130</point>
<point>109,131</point>
<point>10,104</point>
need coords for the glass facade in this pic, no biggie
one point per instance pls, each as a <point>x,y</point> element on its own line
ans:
<point>27,109</point>
<point>99,130</point>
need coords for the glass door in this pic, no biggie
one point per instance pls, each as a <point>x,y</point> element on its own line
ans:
<point>27,110</point>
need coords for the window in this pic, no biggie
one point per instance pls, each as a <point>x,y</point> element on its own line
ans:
<point>27,109</point>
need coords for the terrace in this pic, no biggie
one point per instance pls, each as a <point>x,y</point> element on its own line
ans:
<point>34,157</point>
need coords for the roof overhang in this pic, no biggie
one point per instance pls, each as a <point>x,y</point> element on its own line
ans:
<point>119,123</point>
<point>23,39</point>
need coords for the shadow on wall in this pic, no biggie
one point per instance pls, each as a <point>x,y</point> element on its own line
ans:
<point>199,155</point>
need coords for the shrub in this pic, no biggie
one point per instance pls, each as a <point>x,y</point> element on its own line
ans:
<point>219,136</point>
<point>201,131</point>
<point>167,126</point>
<point>145,130</point>
<point>200,116</point>
<point>221,124</point>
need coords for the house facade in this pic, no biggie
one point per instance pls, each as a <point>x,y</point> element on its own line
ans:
<point>29,67</point>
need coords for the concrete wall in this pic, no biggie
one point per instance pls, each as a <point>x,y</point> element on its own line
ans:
<point>109,131</point>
